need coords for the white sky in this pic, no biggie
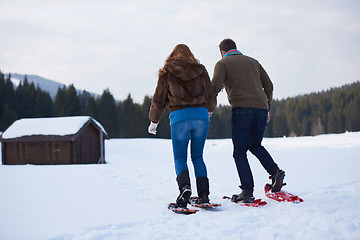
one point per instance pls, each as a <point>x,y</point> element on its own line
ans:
<point>305,46</point>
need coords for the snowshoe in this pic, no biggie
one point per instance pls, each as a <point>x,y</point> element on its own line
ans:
<point>181,210</point>
<point>281,196</point>
<point>255,203</point>
<point>195,202</point>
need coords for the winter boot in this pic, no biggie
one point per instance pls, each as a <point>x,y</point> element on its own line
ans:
<point>202,185</point>
<point>246,196</point>
<point>183,181</point>
<point>277,180</point>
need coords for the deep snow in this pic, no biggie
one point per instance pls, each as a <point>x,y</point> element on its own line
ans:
<point>127,198</point>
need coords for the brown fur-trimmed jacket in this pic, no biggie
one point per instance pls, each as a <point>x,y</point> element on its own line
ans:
<point>182,85</point>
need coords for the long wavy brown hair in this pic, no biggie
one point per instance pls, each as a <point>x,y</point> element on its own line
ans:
<point>181,52</point>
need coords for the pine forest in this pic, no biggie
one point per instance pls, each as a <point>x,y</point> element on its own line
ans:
<point>335,110</point>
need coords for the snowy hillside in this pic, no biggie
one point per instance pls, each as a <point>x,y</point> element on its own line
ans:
<point>45,84</point>
<point>127,198</point>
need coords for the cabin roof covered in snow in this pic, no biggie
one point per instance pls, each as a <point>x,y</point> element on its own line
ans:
<point>54,126</point>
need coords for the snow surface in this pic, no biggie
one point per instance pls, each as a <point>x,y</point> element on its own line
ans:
<point>61,126</point>
<point>127,198</point>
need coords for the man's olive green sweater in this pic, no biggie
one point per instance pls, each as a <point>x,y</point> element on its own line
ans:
<point>245,80</point>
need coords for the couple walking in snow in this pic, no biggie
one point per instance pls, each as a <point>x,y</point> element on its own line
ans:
<point>185,88</point>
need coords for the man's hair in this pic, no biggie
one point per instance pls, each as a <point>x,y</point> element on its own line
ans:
<point>227,44</point>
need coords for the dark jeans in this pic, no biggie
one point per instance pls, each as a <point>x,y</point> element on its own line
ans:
<point>195,131</point>
<point>247,128</point>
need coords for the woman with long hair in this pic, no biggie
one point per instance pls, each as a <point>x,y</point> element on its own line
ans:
<point>184,87</point>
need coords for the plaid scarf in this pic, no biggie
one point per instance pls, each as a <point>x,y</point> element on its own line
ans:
<point>232,52</point>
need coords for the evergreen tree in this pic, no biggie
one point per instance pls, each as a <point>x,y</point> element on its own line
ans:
<point>280,127</point>
<point>163,129</point>
<point>292,119</point>
<point>220,123</point>
<point>145,121</point>
<point>333,111</point>
<point>8,116</point>
<point>84,97</point>
<point>334,121</point>
<point>305,126</point>
<point>25,99</point>
<point>2,95</point>
<point>353,114</point>
<point>318,127</point>
<point>67,102</point>
<point>91,108</point>
<point>8,109</point>
<point>72,102</point>
<point>108,115</point>
<point>132,119</point>
<point>43,104</point>
<point>59,109</point>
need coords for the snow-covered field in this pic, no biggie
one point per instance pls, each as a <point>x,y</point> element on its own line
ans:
<point>127,198</point>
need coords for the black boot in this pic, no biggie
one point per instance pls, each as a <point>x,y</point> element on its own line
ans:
<point>202,185</point>
<point>246,196</point>
<point>183,181</point>
<point>277,180</point>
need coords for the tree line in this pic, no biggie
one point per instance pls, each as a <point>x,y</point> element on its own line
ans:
<point>334,111</point>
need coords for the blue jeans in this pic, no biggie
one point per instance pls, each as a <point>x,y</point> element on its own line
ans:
<point>194,130</point>
<point>247,128</point>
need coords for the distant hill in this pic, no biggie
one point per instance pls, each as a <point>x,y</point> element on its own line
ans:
<point>46,85</point>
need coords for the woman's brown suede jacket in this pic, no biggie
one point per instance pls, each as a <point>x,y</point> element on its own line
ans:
<point>180,85</point>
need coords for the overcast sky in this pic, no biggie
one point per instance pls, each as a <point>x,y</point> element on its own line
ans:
<point>305,46</point>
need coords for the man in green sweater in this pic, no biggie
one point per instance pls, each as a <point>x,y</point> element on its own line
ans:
<point>249,90</point>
